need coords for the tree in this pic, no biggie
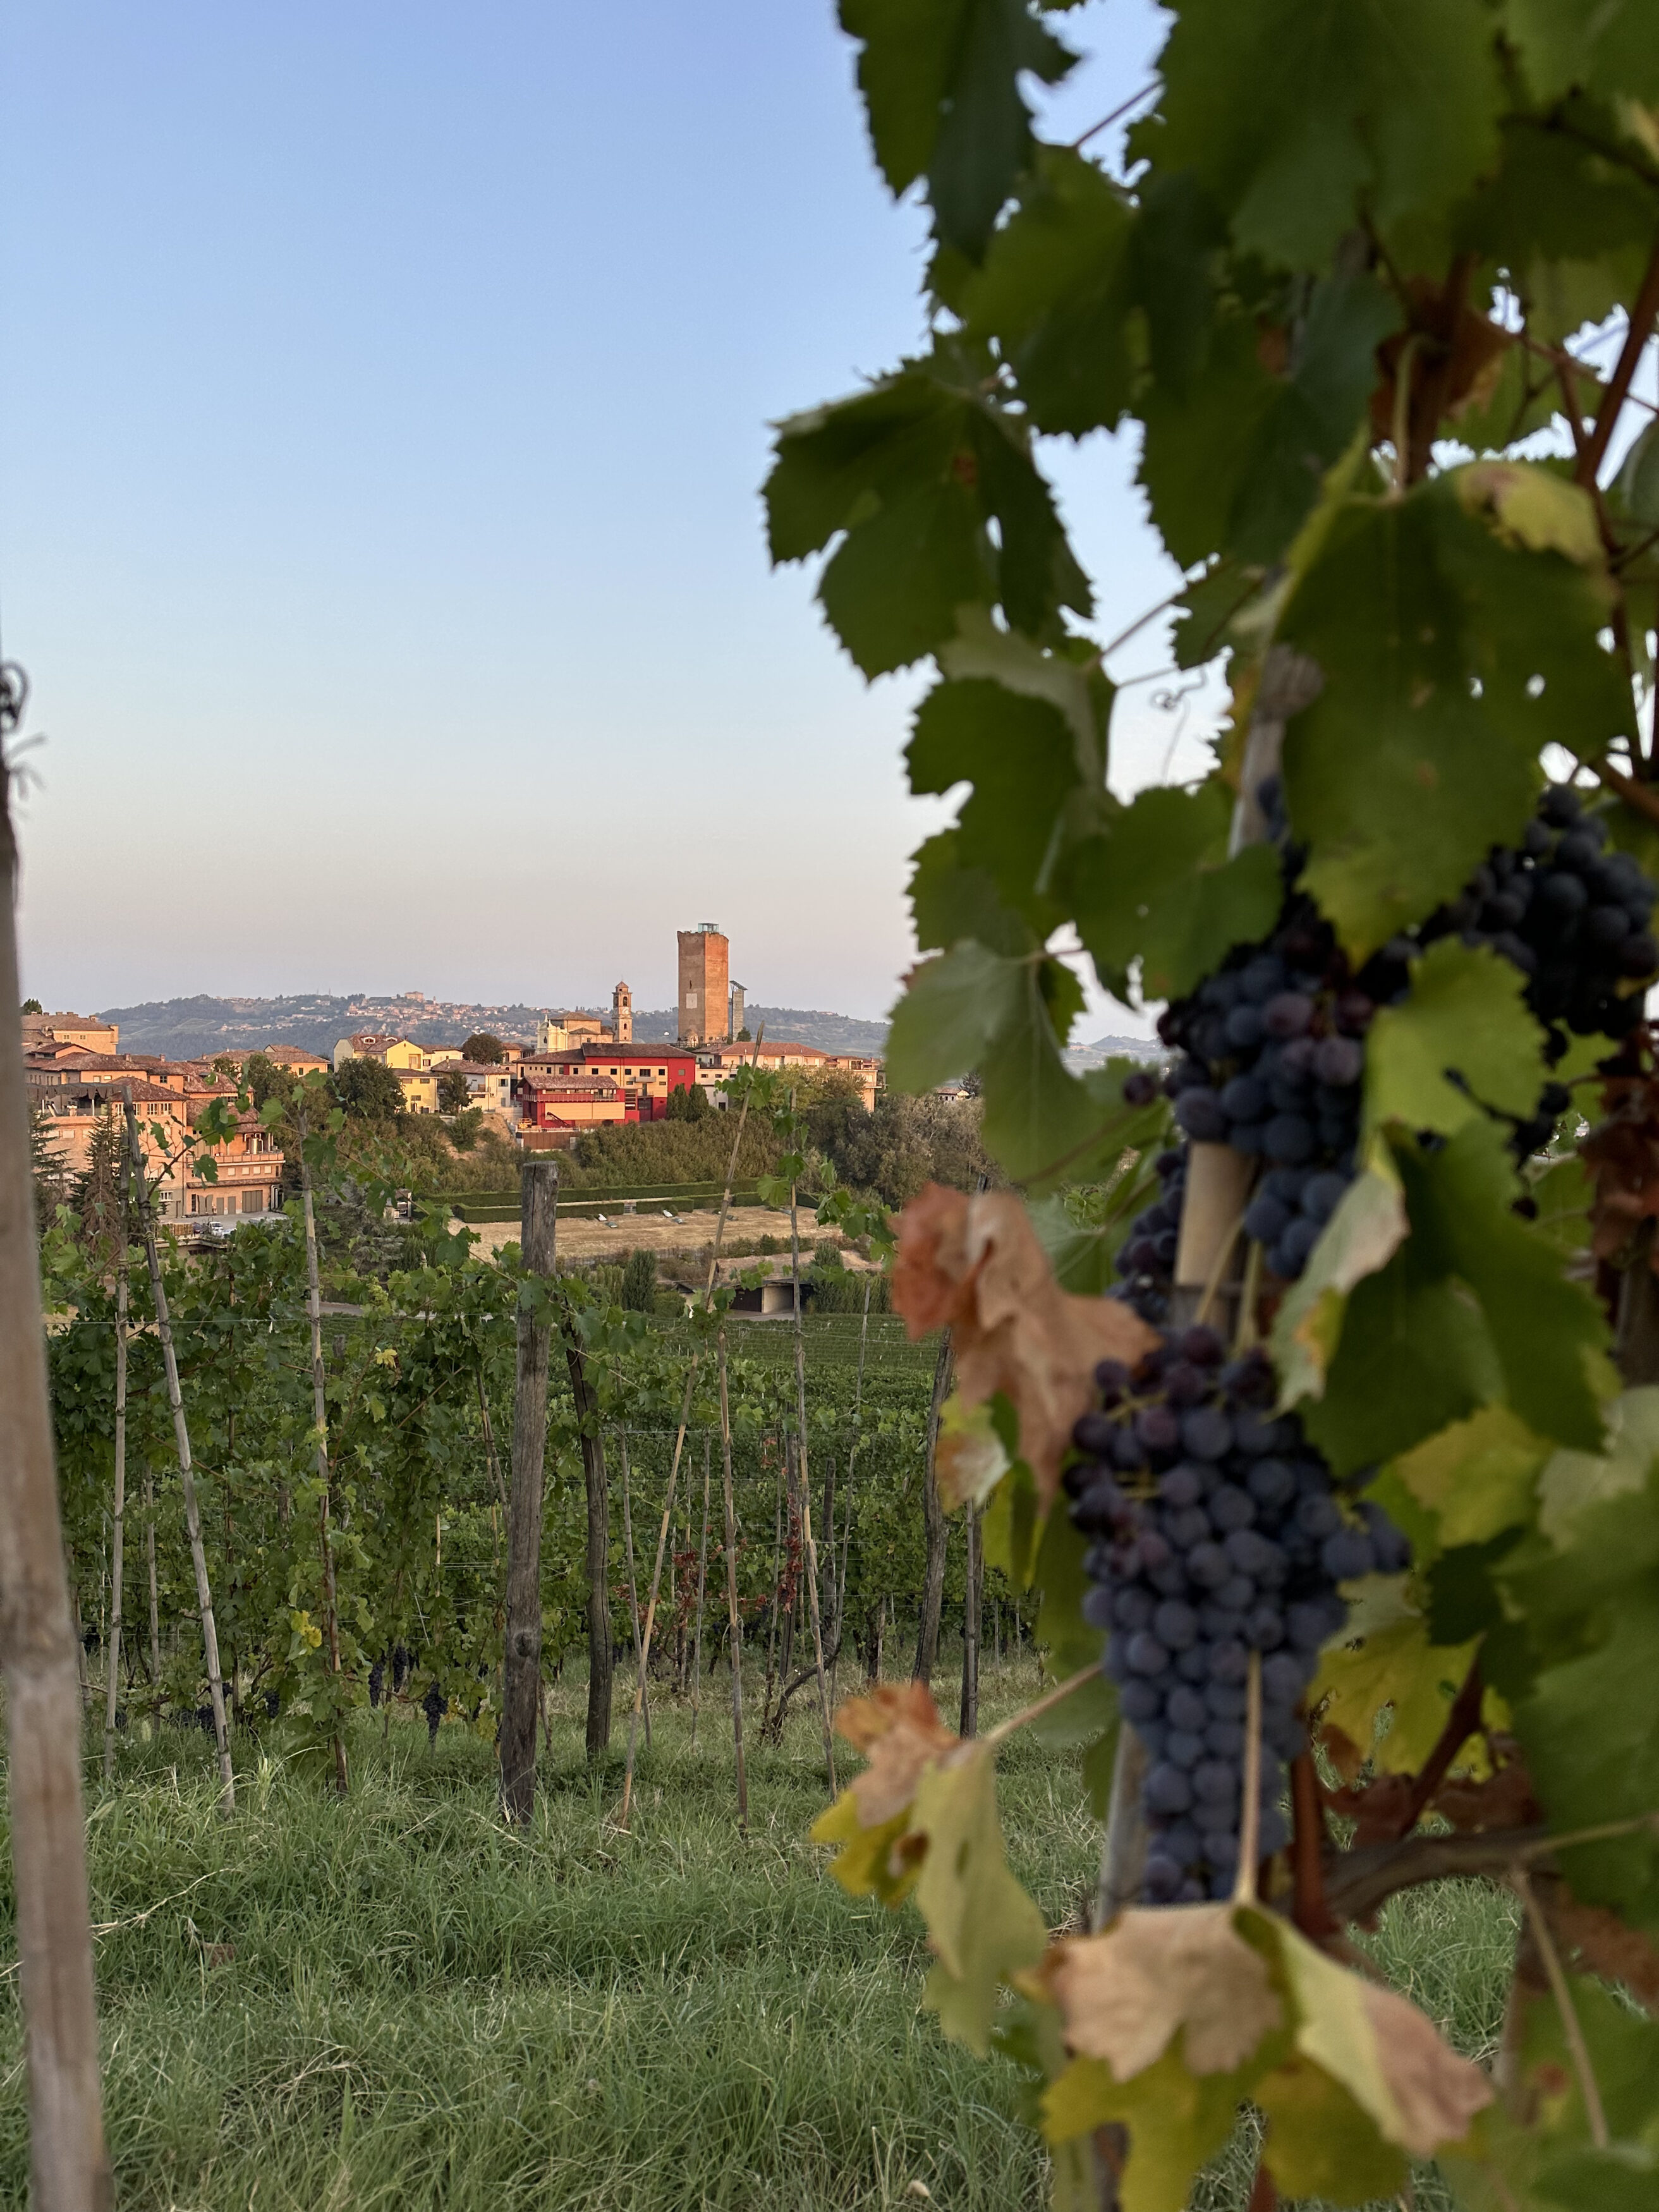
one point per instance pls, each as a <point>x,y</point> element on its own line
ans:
<point>266,1079</point>
<point>47,1173</point>
<point>639,1282</point>
<point>32,1006</point>
<point>453,1095</point>
<point>97,1191</point>
<point>1343,293</point>
<point>687,1104</point>
<point>368,1090</point>
<point>484,1047</point>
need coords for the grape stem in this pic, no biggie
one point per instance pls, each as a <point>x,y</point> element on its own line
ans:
<point>1462,1722</point>
<point>1310,1911</point>
<point>1003,1729</point>
<point>1589,2088</point>
<point>1357,1882</point>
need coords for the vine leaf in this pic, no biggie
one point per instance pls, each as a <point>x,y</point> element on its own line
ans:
<point>1477,1478</point>
<point>1451,656</point>
<point>1607,49</point>
<point>969,1459</point>
<point>922,1815</point>
<point>1389,1665</point>
<point>1155,884</point>
<point>1572,1481</point>
<point>1393,106</point>
<point>1168,2003</point>
<point>973,1264</point>
<point>982,1925</point>
<point>941,80</point>
<point>1466,1016</point>
<point>1366,1230</point>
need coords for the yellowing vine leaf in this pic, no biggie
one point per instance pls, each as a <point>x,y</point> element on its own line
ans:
<point>899,1731</point>
<point>1175,2016</point>
<point>973,1264</point>
<point>969,1459</point>
<point>1392,1665</point>
<point>1363,1235</point>
<point>982,1925</point>
<point>1477,1476</point>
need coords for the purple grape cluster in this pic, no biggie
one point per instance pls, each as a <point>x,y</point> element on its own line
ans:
<point>1575,918</point>
<point>434,1706</point>
<point>1215,1531</point>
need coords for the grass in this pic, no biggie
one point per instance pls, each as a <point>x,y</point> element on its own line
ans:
<point>392,2001</point>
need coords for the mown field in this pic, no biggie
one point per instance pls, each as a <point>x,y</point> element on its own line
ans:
<point>393,2002</point>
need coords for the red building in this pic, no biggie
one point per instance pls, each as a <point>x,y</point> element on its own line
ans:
<point>633,1082</point>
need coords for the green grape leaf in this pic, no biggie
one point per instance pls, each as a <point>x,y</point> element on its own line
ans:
<point>1198,437</point>
<point>1205,610</point>
<point>1321,2142</point>
<point>1414,1355</point>
<point>1573,1480</point>
<point>1071,1643</point>
<point>982,1925</point>
<point>1020,756</point>
<point>1639,479</point>
<point>1478,1477</point>
<point>954,1005</point>
<point>1176,2120</point>
<point>1054,295</point>
<point>909,474</point>
<point>1467,1016</point>
<point>1367,1229</point>
<point>1388,111</point>
<point>1157,887</point>
<point>941,80</point>
<point>1549,1334</point>
<point>950,901</point>
<point>1041,1122</point>
<point>1591,1607</point>
<point>1451,655</point>
<point>1012,1526</point>
<point>1610,48</point>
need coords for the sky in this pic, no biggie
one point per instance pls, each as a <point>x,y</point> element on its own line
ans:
<point>382,417</point>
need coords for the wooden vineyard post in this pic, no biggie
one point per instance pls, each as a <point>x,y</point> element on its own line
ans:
<point>806,1486</point>
<point>702,1585</point>
<point>119,1495</point>
<point>633,1581</point>
<point>734,1619</point>
<point>186,1476</point>
<point>598,1542</point>
<point>150,1566</point>
<point>933,1523</point>
<point>319,1422</point>
<point>521,1662</point>
<point>69,2166</point>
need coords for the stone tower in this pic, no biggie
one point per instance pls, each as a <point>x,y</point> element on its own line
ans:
<point>704,954</point>
<point>734,1019</point>
<point>622,1014</point>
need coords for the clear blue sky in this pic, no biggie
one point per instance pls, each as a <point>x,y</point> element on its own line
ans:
<point>384,405</point>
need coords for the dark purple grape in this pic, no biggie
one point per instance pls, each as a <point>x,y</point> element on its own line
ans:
<point>1187,1710</point>
<point>1288,1138</point>
<point>1287,1014</point>
<point>1271,1483</point>
<point>1157,1428</point>
<point>1202,1346</point>
<point>1175,1625</point>
<point>1208,1567</point>
<point>1146,1656</point>
<point>1182,1749</point>
<point>1339,1060</point>
<point>1205,1432</point>
<point>1202,1115</point>
<point>1168,1790</point>
<point>1348,1555</point>
<point>1232,1508</point>
<point>1140,1088</point>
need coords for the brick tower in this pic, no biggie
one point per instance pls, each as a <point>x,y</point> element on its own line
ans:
<point>622,1014</point>
<point>704,954</point>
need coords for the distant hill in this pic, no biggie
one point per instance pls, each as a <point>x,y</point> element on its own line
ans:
<point>1081,1056</point>
<point>184,1029</point>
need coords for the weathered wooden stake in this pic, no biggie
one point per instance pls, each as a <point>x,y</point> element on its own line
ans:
<point>69,2166</point>
<point>734,1619</point>
<point>633,1583</point>
<point>702,1585</point>
<point>521,1646</point>
<point>936,1528</point>
<point>806,1487</point>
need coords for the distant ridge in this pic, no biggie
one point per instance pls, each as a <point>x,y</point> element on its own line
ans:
<point>185,1029</point>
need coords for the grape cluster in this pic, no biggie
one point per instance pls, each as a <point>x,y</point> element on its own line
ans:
<point>434,1706</point>
<point>1573,917</point>
<point>1271,1047</point>
<point>1215,1532</point>
<point>376,1681</point>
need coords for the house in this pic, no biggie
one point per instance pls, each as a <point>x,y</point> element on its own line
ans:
<point>249,1164</point>
<point>489,1085</point>
<point>564,1032</point>
<point>645,1075</point>
<point>395,1052</point>
<point>554,1106</point>
<point>88,1030</point>
<point>716,1064</point>
<point>420,1088</point>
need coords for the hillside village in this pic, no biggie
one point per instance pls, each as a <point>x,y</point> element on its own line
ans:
<point>582,1072</point>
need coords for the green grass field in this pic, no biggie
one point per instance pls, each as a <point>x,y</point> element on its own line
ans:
<point>392,2001</point>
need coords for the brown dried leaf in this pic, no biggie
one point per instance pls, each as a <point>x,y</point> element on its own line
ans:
<point>1604,1945</point>
<point>1503,1800</point>
<point>974,1265</point>
<point>1123,1994</point>
<point>898,1729</point>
